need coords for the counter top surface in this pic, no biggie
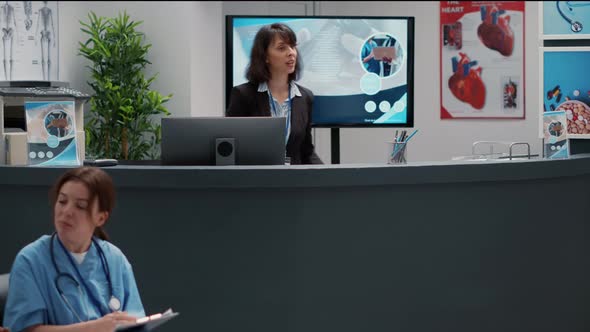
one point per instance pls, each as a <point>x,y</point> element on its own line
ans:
<point>315,175</point>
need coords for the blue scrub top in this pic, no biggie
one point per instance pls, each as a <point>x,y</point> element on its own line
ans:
<point>34,299</point>
<point>373,66</point>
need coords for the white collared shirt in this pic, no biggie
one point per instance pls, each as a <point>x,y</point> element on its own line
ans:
<point>278,109</point>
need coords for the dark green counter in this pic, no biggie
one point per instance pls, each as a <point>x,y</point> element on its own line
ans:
<point>472,246</point>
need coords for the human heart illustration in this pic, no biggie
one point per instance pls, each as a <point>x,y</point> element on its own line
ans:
<point>494,31</point>
<point>466,83</point>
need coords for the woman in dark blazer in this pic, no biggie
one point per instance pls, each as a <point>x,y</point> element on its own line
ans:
<point>271,90</point>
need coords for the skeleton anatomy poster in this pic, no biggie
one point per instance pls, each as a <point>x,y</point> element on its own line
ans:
<point>482,59</point>
<point>30,42</point>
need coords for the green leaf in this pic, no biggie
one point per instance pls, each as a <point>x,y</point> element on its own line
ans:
<point>122,97</point>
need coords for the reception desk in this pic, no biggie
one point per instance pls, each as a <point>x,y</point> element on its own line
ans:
<point>458,246</point>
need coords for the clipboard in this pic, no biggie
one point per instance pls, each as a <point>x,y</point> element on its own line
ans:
<point>148,323</point>
<point>381,52</point>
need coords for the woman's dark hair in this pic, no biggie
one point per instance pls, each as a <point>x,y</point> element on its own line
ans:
<point>257,71</point>
<point>99,185</point>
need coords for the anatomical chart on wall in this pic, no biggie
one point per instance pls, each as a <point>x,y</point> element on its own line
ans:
<point>29,49</point>
<point>482,59</point>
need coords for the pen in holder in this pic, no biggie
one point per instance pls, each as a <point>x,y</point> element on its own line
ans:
<point>397,153</point>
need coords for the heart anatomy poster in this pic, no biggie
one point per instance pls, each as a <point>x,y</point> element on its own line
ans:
<point>482,59</point>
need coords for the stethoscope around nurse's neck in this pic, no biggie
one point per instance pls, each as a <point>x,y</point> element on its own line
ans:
<point>114,303</point>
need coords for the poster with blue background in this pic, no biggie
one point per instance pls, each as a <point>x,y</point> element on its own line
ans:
<point>565,19</point>
<point>566,87</point>
<point>51,133</point>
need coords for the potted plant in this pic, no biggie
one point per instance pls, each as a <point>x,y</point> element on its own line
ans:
<point>120,123</point>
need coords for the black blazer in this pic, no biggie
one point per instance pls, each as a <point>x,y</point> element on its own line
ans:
<point>245,100</point>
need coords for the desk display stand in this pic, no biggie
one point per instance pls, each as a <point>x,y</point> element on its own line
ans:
<point>13,95</point>
<point>497,150</point>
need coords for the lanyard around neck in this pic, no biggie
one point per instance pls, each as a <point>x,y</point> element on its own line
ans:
<point>275,112</point>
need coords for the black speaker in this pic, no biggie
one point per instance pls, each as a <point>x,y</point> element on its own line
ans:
<point>225,151</point>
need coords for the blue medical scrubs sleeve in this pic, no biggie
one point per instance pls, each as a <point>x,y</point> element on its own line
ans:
<point>25,305</point>
<point>132,304</point>
<point>124,285</point>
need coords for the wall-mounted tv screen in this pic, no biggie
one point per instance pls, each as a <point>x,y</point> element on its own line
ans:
<point>360,69</point>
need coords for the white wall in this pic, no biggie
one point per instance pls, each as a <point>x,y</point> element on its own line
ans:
<point>207,89</point>
<point>438,139</point>
<point>167,26</point>
<point>189,52</point>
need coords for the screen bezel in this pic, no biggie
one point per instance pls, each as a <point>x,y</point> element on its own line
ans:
<point>410,65</point>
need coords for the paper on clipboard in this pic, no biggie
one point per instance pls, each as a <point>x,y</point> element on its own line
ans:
<point>148,323</point>
<point>381,52</point>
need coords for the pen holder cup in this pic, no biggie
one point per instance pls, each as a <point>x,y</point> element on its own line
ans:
<point>396,153</point>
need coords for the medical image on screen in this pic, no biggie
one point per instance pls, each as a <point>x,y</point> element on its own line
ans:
<point>359,69</point>
<point>382,55</point>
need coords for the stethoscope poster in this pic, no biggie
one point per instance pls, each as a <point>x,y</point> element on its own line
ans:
<point>482,59</point>
<point>565,19</point>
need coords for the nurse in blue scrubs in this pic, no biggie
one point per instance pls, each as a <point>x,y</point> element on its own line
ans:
<point>74,279</point>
